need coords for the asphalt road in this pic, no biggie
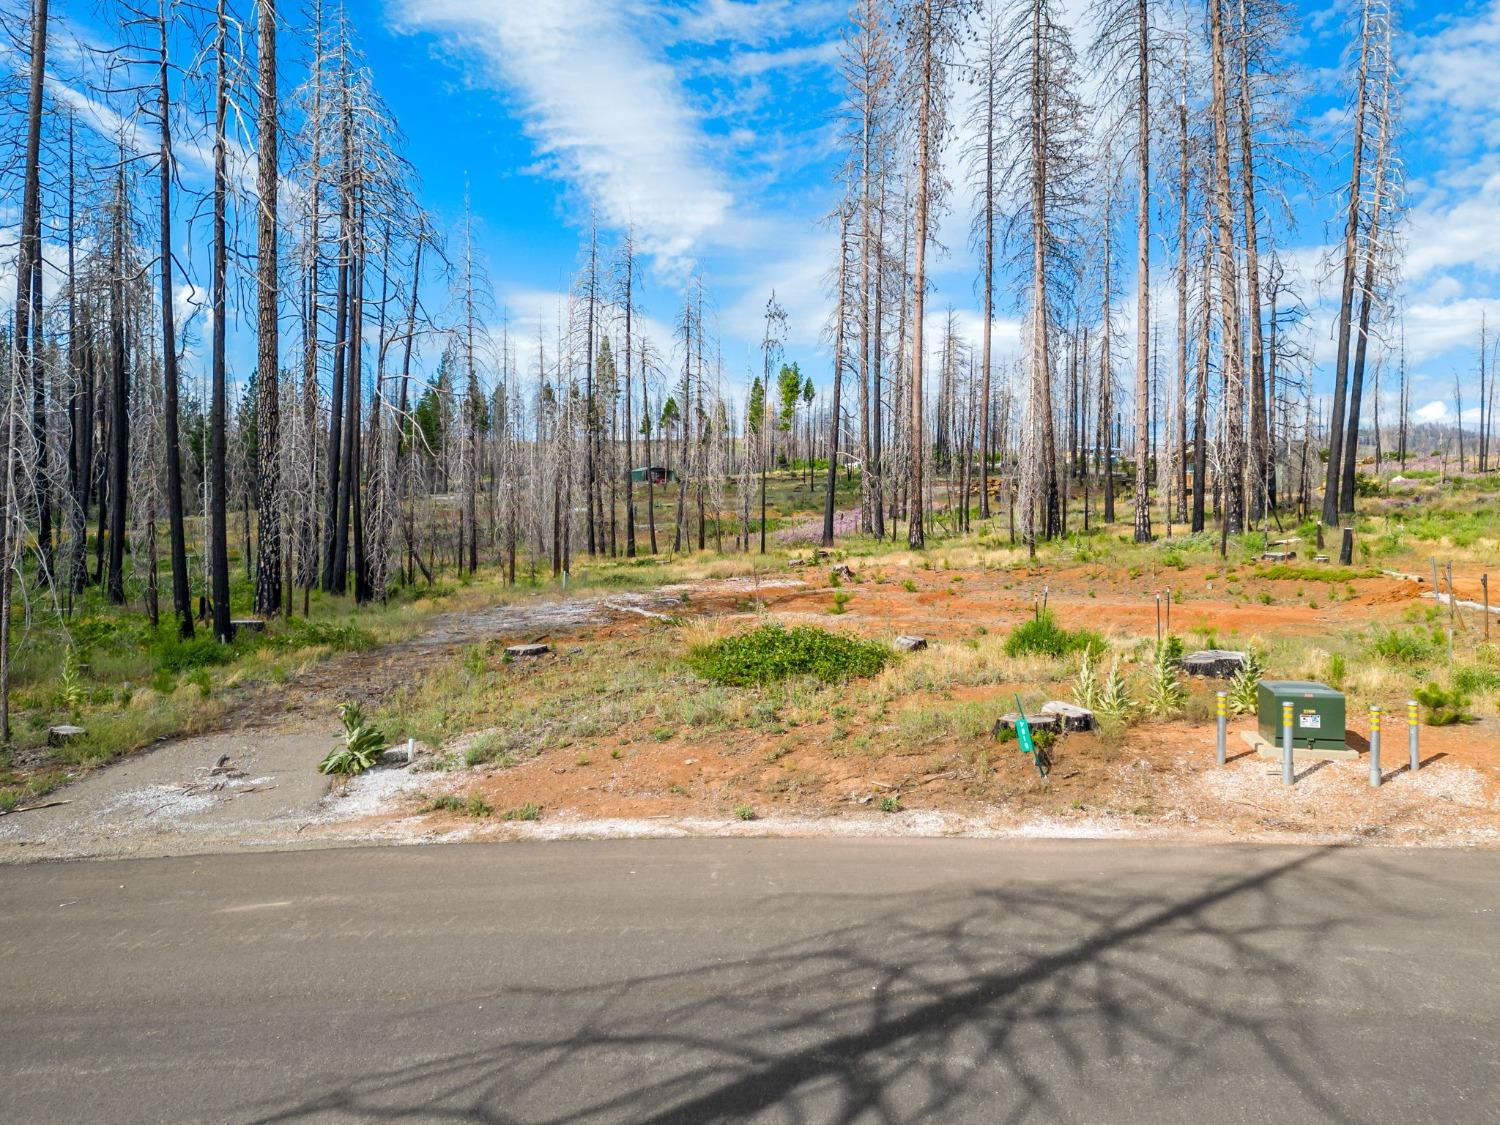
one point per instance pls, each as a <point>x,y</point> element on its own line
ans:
<point>756,980</point>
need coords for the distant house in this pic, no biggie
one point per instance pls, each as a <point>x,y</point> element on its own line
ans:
<point>655,473</point>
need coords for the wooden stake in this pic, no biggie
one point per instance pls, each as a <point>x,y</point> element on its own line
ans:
<point>1484,584</point>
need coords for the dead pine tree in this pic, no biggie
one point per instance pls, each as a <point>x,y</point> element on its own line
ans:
<point>1044,176</point>
<point>1350,262</point>
<point>268,365</point>
<point>932,30</point>
<point>1375,249</point>
<point>1126,48</point>
<point>218,534</point>
<point>23,348</point>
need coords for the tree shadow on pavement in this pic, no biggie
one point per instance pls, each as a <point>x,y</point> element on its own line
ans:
<point>1027,999</point>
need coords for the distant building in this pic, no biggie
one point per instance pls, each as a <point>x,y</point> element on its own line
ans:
<point>655,473</point>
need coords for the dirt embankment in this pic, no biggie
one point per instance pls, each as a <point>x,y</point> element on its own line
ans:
<point>832,774</point>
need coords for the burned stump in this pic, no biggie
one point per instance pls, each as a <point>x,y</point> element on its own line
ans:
<point>64,733</point>
<point>520,651</point>
<point>910,644</point>
<point>1216,663</point>
<point>1042,721</point>
<point>1070,716</point>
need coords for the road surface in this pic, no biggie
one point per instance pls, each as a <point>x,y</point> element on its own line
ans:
<point>756,980</point>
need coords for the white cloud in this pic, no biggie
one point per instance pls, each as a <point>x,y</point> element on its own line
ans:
<point>1464,233</point>
<point>604,109</point>
<point>1453,76</point>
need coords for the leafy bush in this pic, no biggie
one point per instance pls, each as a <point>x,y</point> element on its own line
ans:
<point>1407,646</point>
<point>1281,572</point>
<point>1043,636</point>
<point>475,806</point>
<point>1338,668</point>
<point>301,633</point>
<point>1086,685</point>
<point>1165,695</point>
<point>201,651</point>
<point>1474,678</point>
<point>1115,704</point>
<point>362,744</point>
<point>1443,708</point>
<point>1244,686</point>
<point>772,652</point>
<point>528,811</point>
<point>744,812</point>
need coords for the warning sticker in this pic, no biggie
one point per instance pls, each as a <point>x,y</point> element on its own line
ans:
<point>1311,719</point>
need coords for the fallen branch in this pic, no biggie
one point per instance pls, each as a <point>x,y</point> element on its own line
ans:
<point>33,808</point>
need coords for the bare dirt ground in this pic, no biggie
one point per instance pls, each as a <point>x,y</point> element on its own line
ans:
<point>1157,780</point>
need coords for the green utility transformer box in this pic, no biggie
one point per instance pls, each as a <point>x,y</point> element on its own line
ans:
<point>1317,714</point>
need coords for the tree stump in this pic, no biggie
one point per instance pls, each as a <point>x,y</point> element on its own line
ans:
<point>64,733</point>
<point>519,651</point>
<point>910,644</point>
<point>1069,715</point>
<point>1216,663</point>
<point>1039,721</point>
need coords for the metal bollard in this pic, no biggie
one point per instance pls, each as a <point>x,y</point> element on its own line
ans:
<point>1223,704</point>
<point>1287,773</point>
<point>1374,747</point>
<point>1411,731</point>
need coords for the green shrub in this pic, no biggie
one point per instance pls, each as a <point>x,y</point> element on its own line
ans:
<point>528,811</point>
<point>890,804</point>
<point>201,651</point>
<point>1165,695</point>
<point>301,633</point>
<point>1408,646</point>
<point>1086,686</point>
<point>1043,636</point>
<point>1244,686</point>
<point>1338,668</point>
<point>1443,708</point>
<point>1474,678</point>
<point>772,652</point>
<point>362,744</point>
<point>744,812</point>
<point>1115,704</point>
<point>1281,572</point>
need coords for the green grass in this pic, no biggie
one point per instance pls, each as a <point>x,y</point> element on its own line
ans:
<point>1282,572</point>
<point>1042,636</point>
<point>772,653</point>
<point>1411,647</point>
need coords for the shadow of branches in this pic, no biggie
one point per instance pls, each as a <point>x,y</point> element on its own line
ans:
<point>1012,1000</point>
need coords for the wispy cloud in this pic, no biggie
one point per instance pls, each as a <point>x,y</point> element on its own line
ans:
<point>604,109</point>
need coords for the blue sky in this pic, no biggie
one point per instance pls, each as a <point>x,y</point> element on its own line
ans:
<point>711,127</point>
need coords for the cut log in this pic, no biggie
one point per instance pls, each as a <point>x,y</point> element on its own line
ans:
<point>64,733</point>
<point>1070,715</point>
<point>1278,556</point>
<point>518,651</point>
<point>1217,663</point>
<point>248,625</point>
<point>1320,558</point>
<point>910,644</point>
